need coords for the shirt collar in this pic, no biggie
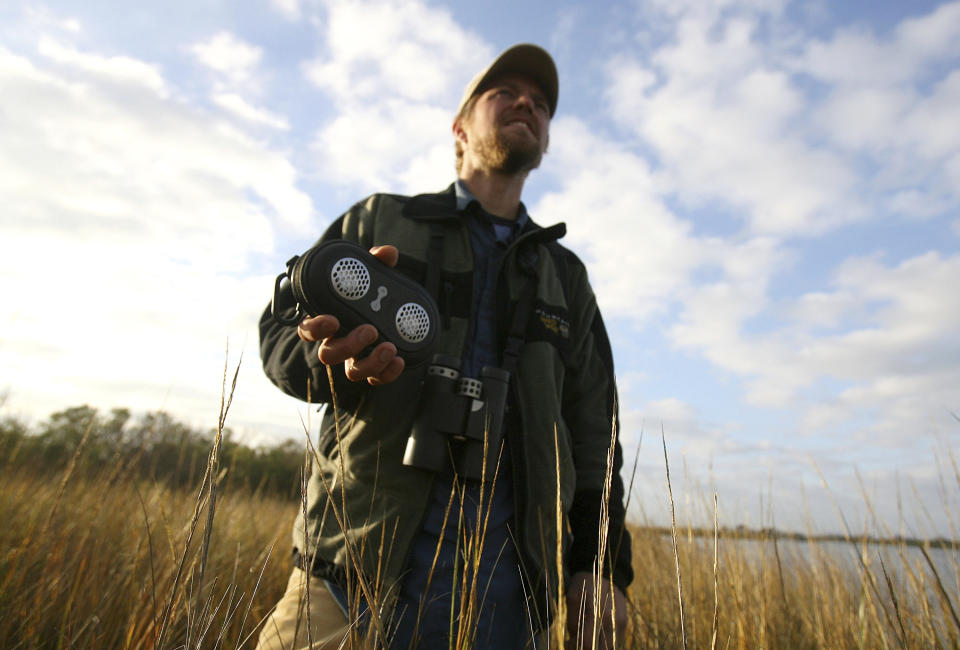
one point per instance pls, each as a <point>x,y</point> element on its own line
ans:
<point>465,197</point>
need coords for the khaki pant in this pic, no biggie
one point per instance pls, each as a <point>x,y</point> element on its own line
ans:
<point>286,627</point>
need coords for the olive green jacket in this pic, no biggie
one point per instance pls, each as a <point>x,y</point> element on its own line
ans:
<point>364,507</point>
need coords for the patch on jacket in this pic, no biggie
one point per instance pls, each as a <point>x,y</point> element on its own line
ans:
<point>551,324</point>
<point>554,322</point>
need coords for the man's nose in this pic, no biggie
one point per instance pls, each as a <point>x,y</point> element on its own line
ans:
<point>526,100</point>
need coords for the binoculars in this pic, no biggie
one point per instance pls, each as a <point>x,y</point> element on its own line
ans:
<point>457,416</point>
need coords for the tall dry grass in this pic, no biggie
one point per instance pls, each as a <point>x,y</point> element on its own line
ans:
<point>115,562</point>
<point>822,599</point>
<point>95,569</point>
<point>766,589</point>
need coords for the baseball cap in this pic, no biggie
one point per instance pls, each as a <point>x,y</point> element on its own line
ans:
<point>529,60</point>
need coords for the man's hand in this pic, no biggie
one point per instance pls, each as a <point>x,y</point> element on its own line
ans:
<point>381,366</point>
<point>582,623</point>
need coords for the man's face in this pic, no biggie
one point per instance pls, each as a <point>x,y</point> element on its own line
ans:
<point>509,126</point>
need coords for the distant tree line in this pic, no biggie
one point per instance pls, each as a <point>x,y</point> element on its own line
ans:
<point>154,447</point>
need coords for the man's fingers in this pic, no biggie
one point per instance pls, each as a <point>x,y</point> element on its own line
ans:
<point>336,350</point>
<point>390,373</point>
<point>372,365</point>
<point>318,328</point>
<point>386,254</point>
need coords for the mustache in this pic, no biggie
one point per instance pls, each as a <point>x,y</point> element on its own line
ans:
<point>527,119</point>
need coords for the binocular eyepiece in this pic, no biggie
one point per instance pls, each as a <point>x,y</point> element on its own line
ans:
<point>456,418</point>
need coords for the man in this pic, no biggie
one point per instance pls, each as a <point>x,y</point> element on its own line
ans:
<point>413,556</point>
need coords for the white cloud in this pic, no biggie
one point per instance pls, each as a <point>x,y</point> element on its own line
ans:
<point>387,49</point>
<point>893,101</point>
<point>713,11</point>
<point>122,153</point>
<point>130,226</point>
<point>897,350</point>
<point>731,116</point>
<point>289,9</point>
<point>638,253</point>
<point>856,57</point>
<point>683,427</point>
<point>228,55</point>
<point>860,117</point>
<point>395,71</point>
<point>392,145</point>
<point>729,122</point>
<point>884,118</point>
<point>39,17</point>
<point>120,69</point>
<point>722,118</point>
<point>238,106</point>
<point>930,127</point>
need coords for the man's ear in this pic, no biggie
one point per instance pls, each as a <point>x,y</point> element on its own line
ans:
<point>458,133</point>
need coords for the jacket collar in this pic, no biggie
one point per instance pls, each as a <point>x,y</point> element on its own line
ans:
<point>442,206</point>
<point>432,207</point>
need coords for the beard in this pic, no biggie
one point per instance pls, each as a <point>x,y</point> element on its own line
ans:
<point>508,154</point>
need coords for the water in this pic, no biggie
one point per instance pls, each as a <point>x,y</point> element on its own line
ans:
<point>899,561</point>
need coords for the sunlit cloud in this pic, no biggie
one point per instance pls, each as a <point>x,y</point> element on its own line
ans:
<point>228,55</point>
<point>121,69</point>
<point>387,50</point>
<point>289,9</point>
<point>238,106</point>
<point>723,120</point>
<point>149,215</point>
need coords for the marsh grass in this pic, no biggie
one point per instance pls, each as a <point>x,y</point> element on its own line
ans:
<point>98,575</point>
<point>107,561</point>
<point>102,573</point>
<point>112,561</point>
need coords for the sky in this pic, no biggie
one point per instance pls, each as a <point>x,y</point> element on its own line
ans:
<point>766,194</point>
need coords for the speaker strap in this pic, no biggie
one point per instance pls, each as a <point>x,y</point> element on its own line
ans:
<point>521,312</point>
<point>434,260</point>
<point>518,327</point>
<point>434,269</point>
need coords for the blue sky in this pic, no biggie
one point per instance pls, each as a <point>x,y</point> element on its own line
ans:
<point>765,193</point>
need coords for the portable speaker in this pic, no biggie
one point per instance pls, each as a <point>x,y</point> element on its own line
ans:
<point>342,279</point>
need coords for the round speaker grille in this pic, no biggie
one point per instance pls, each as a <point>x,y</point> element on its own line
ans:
<point>413,322</point>
<point>350,278</point>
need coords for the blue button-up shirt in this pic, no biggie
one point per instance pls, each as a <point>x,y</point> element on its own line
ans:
<point>489,236</point>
